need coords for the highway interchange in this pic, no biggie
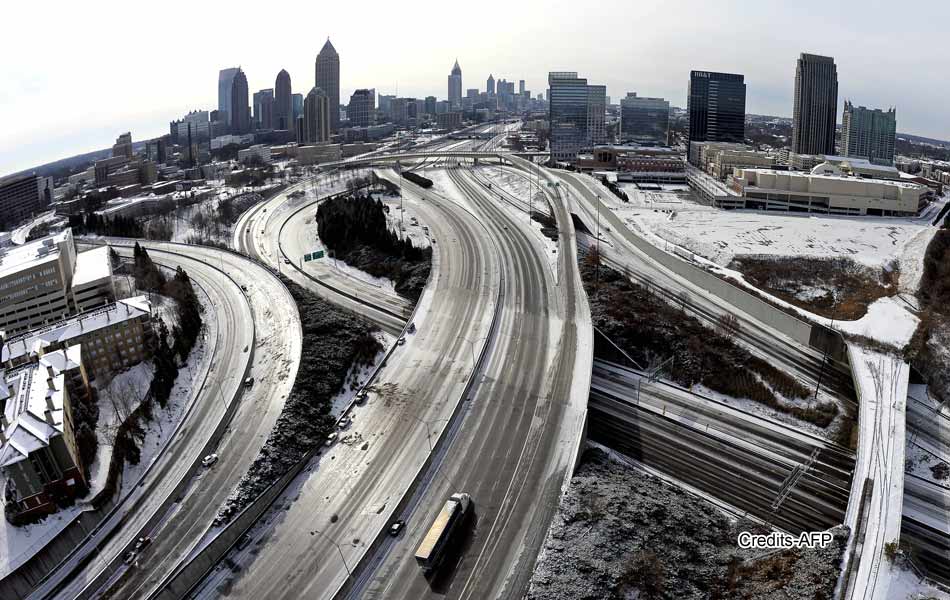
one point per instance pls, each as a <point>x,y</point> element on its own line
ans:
<point>489,396</point>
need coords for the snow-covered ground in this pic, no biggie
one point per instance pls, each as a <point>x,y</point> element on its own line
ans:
<point>357,376</point>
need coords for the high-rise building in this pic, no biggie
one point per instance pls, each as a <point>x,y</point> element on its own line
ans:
<point>521,86</point>
<point>21,197</point>
<point>490,85</point>
<point>296,104</point>
<point>283,102</point>
<point>399,111</point>
<point>385,105</point>
<point>328,79</point>
<point>316,117</point>
<point>264,109</point>
<point>576,114</point>
<point>225,79</point>
<point>360,109</point>
<point>816,105</point>
<point>644,120</point>
<point>123,146</point>
<point>596,114</point>
<point>868,133</point>
<point>430,105</point>
<point>240,110</point>
<point>455,86</point>
<point>716,107</point>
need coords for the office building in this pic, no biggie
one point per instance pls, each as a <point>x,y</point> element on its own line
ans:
<point>327,78</point>
<point>199,124</point>
<point>644,120</point>
<point>316,117</point>
<point>716,107</point>
<point>430,103</point>
<point>283,102</point>
<point>490,85</point>
<point>360,109</point>
<point>521,87</point>
<point>240,120</point>
<point>868,133</point>
<point>576,114</point>
<point>816,105</point>
<point>596,112</point>
<point>296,101</point>
<point>47,280</point>
<point>22,196</point>
<point>123,146</point>
<point>449,121</point>
<point>264,109</point>
<point>225,80</point>
<point>385,105</point>
<point>256,154</point>
<point>455,86</point>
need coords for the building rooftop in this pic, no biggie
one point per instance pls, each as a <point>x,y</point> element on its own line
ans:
<point>91,266</point>
<point>16,258</point>
<point>73,327</point>
<point>33,406</point>
<point>852,179</point>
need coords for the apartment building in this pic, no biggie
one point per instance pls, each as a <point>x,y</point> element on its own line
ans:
<point>39,455</point>
<point>112,338</point>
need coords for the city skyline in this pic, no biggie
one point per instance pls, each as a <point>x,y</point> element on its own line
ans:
<point>144,100</point>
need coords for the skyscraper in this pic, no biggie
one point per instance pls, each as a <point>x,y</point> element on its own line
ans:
<point>596,113</point>
<point>360,109</point>
<point>240,117</point>
<point>296,101</point>
<point>868,133</point>
<point>716,107</point>
<point>264,109</point>
<point>455,86</point>
<point>816,105</point>
<point>644,120</point>
<point>430,105</point>
<point>283,103</point>
<point>328,79</point>
<point>521,86</point>
<point>225,78</point>
<point>490,85</point>
<point>316,117</point>
<point>576,114</point>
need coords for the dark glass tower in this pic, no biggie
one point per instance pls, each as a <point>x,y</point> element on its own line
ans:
<point>716,106</point>
<point>816,105</point>
<point>240,110</point>
<point>283,103</point>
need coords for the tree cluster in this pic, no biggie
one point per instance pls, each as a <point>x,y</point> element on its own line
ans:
<point>95,224</point>
<point>613,187</point>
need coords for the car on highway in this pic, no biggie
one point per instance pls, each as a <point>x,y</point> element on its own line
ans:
<point>401,341</point>
<point>396,527</point>
<point>286,261</point>
<point>361,397</point>
<point>142,542</point>
<point>129,557</point>
<point>209,460</point>
<point>248,382</point>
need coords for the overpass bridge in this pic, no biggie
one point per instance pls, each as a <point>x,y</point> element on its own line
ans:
<point>473,155</point>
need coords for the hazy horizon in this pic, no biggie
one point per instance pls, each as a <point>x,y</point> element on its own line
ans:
<point>95,74</point>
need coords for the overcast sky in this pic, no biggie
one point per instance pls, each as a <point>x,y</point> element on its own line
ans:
<point>74,75</point>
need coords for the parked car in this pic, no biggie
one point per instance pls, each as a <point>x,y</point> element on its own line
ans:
<point>209,460</point>
<point>361,397</point>
<point>401,341</point>
<point>249,382</point>
<point>286,261</point>
<point>332,438</point>
<point>396,527</point>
